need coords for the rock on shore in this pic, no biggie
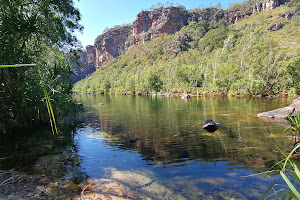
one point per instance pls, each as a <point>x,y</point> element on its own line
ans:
<point>282,113</point>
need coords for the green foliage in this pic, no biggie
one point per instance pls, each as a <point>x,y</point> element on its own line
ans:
<point>289,169</point>
<point>242,5</point>
<point>244,58</point>
<point>295,124</point>
<point>36,32</point>
<point>154,82</point>
<point>213,39</point>
<point>294,3</point>
<point>119,28</point>
<point>18,65</point>
<point>293,66</point>
<point>290,174</point>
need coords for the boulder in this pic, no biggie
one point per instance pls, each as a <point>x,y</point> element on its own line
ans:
<point>276,26</point>
<point>282,113</point>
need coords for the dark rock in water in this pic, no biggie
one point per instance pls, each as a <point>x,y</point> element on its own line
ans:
<point>186,96</point>
<point>261,95</point>
<point>132,140</point>
<point>211,126</point>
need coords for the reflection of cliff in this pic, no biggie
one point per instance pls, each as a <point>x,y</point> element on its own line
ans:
<point>167,131</point>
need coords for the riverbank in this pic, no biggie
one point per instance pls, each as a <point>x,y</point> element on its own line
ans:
<point>14,185</point>
<point>202,94</point>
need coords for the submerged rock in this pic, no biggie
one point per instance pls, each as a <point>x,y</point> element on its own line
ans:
<point>109,189</point>
<point>143,184</point>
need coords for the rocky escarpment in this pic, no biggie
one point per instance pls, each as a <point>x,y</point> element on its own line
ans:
<point>150,24</point>
<point>111,44</point>
<point>236,15</point>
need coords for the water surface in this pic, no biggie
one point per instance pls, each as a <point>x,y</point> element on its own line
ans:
<point>158,142</point>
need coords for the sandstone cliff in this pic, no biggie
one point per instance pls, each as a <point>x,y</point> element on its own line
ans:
<point>150,24</point>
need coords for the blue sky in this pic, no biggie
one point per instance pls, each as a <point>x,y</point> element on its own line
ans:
<point>99,14</point>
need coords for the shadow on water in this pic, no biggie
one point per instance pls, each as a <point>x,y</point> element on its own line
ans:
<point>41,152</point>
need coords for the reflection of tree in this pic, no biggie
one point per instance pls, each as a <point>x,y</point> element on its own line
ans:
<point>168,130</point>
<point>42,153</point>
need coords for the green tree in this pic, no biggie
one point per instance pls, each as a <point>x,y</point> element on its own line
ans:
<point>155,83</point>
<point>293,68</point>
<point>38,32</point>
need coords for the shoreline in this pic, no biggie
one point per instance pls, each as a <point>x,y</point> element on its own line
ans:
<point>181,94</point>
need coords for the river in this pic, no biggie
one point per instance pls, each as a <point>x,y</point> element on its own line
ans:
<point>155,146</point>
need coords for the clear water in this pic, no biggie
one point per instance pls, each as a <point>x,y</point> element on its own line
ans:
<point>155,146</point>
<point>161,138</point>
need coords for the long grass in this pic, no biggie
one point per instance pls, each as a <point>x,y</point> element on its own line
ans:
<point>294,173</point>
<point>49,109</point>
<point>18,65</point>
<point>290,171</point>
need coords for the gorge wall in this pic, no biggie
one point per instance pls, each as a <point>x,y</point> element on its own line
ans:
<point>150,24</point>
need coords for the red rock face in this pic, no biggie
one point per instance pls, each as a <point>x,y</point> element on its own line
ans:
<point>111,44</point>
<point>86,66</point>
<point>150,24</point>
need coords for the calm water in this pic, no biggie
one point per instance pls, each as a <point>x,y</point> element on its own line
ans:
<point>156,146</point>
<point>161,138</point>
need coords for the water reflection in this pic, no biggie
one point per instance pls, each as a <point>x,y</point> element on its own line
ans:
<point>158,139</point>
<point>167,132</point>
<point>41,152</point>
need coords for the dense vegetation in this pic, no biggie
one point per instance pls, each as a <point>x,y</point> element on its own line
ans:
<point>246,58</point>
<point>39,32</point>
